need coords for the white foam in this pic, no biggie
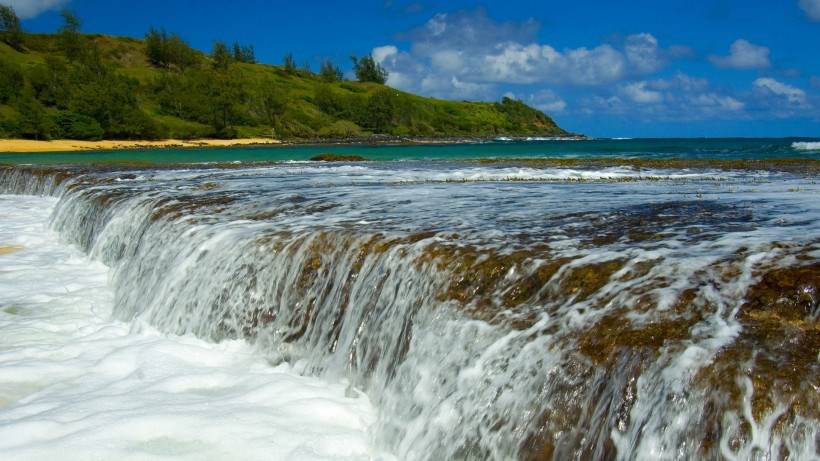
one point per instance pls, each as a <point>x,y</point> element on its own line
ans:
<point>806,146</point>
<point>75,385</point>
<point>377,174</point>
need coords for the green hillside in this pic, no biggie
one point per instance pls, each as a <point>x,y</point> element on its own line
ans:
<point>78,86</point>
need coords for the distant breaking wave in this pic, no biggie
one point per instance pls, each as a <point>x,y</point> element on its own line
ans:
<point>806,145</point>
<point>534,138</point>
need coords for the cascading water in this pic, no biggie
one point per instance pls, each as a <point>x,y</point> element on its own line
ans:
<point>489,311</point>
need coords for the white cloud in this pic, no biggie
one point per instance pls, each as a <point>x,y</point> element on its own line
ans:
<point>812,9</point>
<point>716,103</point>
<point>638,92</point>
<point>547,101</point>
<point>382,53</point>
<point>517,63</point>
<point>453,88</point>
<point>30,8</point>
<point>681,97</point>
<point>471,54</point>
<point>447,60</point>
<point>743,55</point>
<point>643,52</point>
<point>792,96</point>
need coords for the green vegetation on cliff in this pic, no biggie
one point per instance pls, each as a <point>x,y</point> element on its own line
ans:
<point>78,86</point>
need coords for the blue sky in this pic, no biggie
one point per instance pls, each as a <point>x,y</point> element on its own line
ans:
<point>603,68</point>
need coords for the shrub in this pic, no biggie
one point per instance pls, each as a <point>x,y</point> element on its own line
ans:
<point>379,111</point>
<point>329,72</point>
<point>340,129</point>
<point>71,125</point>
<point>243,53</point>
<point>34,122</point>
<point>368,70</point>
<point>168,51</point>
<point>11,81</point>
<point>10,30</point>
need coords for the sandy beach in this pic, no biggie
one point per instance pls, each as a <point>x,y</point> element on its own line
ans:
<point>68,145</point>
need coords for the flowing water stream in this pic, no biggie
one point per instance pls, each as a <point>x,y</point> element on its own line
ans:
<point>504,310</point>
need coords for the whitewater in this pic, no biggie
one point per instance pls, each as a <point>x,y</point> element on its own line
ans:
<point>77,385</point>
<point>416,309</point>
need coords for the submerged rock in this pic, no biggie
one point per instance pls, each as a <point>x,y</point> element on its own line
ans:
<point>329,157</point>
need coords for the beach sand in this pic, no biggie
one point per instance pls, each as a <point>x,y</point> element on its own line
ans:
<point>67,145</point>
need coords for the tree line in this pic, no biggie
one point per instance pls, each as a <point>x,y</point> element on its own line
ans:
<point>78,97</point>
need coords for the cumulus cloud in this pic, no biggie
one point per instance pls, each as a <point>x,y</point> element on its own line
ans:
<point>469,53</point>
<point>30,8</point>
<point>518,63</point>
<point>786,95</point>
<point>812,9</point>
<point>453,88</point>
<point>547,101</point>
<point>743,55</point>
<point>468,30</point>
<point>681,97</point>
<point>642,51</point>
<point>640,93</point>
<point>381,53</point>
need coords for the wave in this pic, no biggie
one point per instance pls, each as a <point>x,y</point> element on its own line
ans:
<point>534,138</point>
<point>810,146</point>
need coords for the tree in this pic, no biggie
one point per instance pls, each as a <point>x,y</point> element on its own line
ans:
<point>225,94</point>
<point>50,82</point>
<point>10,29</point>
<point>380,111</point>
<point>520,114</point>
<point>34,122</point>
<point>70,39</point>
<point>215,97</point>
<point>168,51</point>
<point>243,53</point>
<point>329,72</point>
<point>368,70</point>
<point>272,104</point>
<point>329,102</point>
<point>11,81</point>
<point>110,99</point>
<point>289,64</point>
<point>154,47</point>
<point>71,125</point>
<point>221,56</point>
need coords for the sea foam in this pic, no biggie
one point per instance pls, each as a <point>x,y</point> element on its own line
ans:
<point>806,146</point>
<point>75,385</point>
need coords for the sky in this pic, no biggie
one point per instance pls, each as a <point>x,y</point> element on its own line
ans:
<point>602,68</point>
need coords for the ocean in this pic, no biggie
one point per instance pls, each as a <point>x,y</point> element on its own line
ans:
<point>688,148</point>
<point>601,299</point>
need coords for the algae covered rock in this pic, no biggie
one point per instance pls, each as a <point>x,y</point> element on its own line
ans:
<point>329,157</point>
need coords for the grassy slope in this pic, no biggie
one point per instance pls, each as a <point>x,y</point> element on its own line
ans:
<point>421,116</point>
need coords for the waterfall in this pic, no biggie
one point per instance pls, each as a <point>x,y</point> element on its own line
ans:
<point>650,328</point>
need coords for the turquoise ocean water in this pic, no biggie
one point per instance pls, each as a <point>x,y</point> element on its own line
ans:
<point>700,148</point>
